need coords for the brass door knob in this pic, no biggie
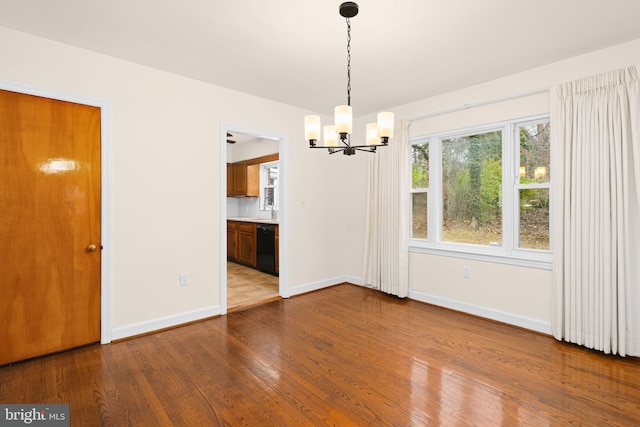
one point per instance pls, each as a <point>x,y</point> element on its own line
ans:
<point>91,248</point>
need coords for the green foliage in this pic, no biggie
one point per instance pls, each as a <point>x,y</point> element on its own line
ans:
<point>420,166</point>
<point>472,178</point>
<point>491,186</point>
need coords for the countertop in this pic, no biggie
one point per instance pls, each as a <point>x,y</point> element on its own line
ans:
<point>256,220</point>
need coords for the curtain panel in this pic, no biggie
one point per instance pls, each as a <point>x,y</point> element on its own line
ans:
<point>595,169</point>
<point>386,258</point>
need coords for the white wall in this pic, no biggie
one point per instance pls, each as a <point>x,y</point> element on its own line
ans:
<point>166,179</point>
<point>166,182</point>
<point>517,295</point>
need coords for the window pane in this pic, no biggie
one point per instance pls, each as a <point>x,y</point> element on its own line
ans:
<point>419,215</point>
<point>420,166</point>
<point>272,175</point>
<point>534,218</point>
<point>535,153</point>
<point>269,197</point>
<point>472,189</point>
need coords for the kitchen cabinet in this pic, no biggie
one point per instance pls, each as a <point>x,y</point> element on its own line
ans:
<point>239,179</point>
<point>246,253</point>
<point>253,181</point>
<point>232,240</point>
<point>243,178</point>
<point>242,244</point>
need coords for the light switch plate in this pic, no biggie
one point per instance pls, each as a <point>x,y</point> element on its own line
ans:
<point>184,279</point>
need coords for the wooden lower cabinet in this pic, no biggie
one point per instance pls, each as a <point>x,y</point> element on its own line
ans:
<point>242,243</point>
<point>232,240</point>
<point>247,243</point>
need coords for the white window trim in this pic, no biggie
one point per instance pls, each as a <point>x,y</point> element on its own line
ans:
<point>508,253</point>
<point>263,180</point>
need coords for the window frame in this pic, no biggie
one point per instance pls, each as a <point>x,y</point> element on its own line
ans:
<point>508,252</point>
<point>264,170</point>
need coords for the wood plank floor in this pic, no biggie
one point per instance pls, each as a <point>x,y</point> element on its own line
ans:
<point>342,356</point>
<point>248,286</point>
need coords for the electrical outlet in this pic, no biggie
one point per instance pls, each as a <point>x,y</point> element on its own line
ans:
<point>466,272</point>
<point>184,279</point>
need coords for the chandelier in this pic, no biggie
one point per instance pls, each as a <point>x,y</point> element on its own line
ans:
<point>377,134</point>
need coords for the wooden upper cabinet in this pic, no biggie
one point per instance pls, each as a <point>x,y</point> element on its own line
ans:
<point>243,178</point>
<point>239,179</point>
<point>253,180</point>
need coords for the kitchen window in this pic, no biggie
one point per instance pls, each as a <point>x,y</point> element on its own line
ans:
<point>269,196</point>
<point>483,192</point>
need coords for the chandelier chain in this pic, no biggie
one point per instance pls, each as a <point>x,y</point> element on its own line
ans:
<point>348,62</point>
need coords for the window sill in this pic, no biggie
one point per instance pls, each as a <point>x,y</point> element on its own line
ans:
<point>540,261</point>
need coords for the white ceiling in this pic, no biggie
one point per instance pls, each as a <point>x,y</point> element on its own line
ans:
<point>294,51</point>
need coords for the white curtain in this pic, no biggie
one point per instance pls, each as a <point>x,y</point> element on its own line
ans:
<point>386,259</point>
<point>596,211</point>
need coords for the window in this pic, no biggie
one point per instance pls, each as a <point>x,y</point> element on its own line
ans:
<point>533,188</point>
<point>420,190</point>
<point>269,186</point>
<point>484,191</point>
<point>472,188</point>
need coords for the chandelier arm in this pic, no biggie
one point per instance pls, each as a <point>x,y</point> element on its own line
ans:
<point>345,139</point>
<point>372,149</point>
<point>370,145</point>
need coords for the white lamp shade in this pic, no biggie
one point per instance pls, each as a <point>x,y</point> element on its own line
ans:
<point>312,128</point>
<point>343,119</point>
<point>330,136</point>
<point>372,134</point>
<point>385,125</point>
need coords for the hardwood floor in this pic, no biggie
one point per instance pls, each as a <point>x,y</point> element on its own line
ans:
<point>342,356</point>
<point>247,286</point>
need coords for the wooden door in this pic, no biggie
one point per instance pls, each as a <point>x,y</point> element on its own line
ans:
<point>49,225</point>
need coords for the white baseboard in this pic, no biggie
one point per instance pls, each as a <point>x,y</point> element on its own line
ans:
<point>164,322</point>
<point>500,316</point>
<point>309,287</point>
<point>191,316</point>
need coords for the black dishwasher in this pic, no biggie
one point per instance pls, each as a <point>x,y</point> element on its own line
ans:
<point>266,251</point>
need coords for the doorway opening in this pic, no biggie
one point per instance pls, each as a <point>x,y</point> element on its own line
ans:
<point>254,220</point>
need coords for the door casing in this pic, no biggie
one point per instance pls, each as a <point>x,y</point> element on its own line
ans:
<point>283,228</point>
